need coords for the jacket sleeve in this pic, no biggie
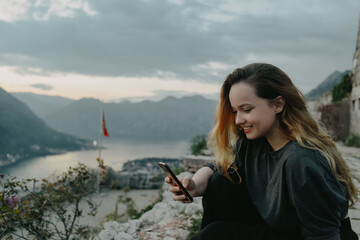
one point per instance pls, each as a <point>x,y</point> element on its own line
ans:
<point>319,200</point>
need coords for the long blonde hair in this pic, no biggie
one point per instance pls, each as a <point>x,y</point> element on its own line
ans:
<point>295,121</point>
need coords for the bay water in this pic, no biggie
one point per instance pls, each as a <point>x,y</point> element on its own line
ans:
<point>117,152</point>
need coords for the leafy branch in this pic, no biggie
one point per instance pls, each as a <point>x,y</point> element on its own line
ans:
<point>51,209</point>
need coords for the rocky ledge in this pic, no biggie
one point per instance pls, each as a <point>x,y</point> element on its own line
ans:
<point>167,220</point>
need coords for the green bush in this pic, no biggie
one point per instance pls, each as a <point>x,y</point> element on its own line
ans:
<point>47,209</point>
<point>198,145</point>
<point>353,140</point>
<point>342,89</point>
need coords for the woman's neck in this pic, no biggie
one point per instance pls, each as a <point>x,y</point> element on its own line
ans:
<point>277,144</point>
<point>277,140</point>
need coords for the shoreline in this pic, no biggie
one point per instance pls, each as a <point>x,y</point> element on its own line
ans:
<point>21,160</point>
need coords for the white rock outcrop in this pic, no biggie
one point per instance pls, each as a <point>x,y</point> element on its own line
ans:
<point>168,220</point>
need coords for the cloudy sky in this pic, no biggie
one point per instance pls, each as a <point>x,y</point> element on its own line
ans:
<point>147,49</point>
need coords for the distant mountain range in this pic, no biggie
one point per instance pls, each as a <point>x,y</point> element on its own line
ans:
<point>24,135</point>
<point>42,105</point>
<point>326,85</point>
<point>171,118</point>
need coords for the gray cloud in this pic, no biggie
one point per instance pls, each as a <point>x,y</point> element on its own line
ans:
<point>146,38</point>
<point>41,86</point>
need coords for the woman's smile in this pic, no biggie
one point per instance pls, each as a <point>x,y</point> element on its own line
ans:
<point>246,129</point>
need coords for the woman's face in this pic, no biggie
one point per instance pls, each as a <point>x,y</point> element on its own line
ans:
<point>255,115</point>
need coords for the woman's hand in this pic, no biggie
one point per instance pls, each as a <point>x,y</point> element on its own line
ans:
<point>196,185</point>
<point>179,195</point>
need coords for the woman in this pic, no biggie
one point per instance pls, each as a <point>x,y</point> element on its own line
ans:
<point>278,175</point>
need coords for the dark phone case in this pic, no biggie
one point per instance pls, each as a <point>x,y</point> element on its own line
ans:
<point>170,173</point>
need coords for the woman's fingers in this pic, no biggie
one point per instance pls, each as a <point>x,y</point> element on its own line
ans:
<point>185,181</point>
<point>167,180</point>
<point>179,197</point>
<point>174,189</point>
<point>170,181</point>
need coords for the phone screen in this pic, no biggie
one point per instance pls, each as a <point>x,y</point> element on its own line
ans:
<point>171,174</point>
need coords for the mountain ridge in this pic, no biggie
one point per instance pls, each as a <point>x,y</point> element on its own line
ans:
<point>326,85</point>
<point>24,135</point>
<point>42,105</point>
<point>170,118</point>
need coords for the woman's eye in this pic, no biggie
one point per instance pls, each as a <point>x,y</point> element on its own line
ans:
<point>246,110</point>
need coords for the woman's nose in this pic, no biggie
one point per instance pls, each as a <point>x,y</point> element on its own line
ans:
<point>239,119</point>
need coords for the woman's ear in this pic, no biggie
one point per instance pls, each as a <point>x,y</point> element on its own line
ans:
<point>279,104</point>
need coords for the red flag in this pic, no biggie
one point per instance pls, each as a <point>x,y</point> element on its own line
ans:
<point>106,134</point>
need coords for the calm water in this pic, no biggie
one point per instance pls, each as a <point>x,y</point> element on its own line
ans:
<point>116,154</point>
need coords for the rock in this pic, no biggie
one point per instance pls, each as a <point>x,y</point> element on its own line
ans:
<point>123,236</point>
<point>167,220</point>
<point>169,238</point>
<point>193,208</point>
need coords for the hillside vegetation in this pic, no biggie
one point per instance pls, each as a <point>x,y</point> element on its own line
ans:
<point>24,135</point>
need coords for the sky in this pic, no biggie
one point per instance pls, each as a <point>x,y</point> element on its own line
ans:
<point>148,49</point>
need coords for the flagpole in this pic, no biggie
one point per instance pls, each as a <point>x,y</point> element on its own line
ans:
<point>102,131</point>
<point>100,138</point>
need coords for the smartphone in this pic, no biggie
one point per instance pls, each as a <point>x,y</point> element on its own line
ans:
<point>171,174</point>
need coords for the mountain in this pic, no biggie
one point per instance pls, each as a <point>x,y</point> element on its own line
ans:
<point>171,118</point>
<point>326,85</point>
<point>24,135</point>
<point>42,105</point>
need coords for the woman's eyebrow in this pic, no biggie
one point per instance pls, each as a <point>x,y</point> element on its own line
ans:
<point>245,105</point>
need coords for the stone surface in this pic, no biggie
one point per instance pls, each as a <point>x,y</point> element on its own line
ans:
<point>167,220</point>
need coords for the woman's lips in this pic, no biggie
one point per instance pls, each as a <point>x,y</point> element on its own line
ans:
<point>247,129</point>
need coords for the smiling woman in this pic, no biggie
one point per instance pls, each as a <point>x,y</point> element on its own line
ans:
<point>294,183</point>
